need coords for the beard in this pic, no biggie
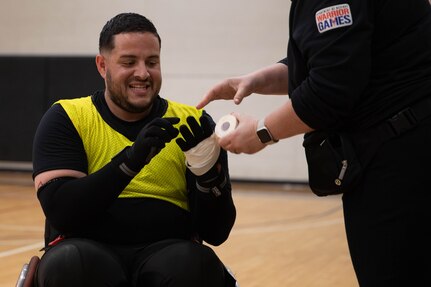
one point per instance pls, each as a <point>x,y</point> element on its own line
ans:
<point>121,99</point>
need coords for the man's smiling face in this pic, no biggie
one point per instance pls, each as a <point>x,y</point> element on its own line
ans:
<point>132,74</point>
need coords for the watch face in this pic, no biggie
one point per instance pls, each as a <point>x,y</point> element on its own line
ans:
<point>264,135</point>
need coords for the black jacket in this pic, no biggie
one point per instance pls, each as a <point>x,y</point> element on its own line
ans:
<point>369,60</point>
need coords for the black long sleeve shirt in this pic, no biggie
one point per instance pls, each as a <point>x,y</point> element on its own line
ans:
<point>355,63</point>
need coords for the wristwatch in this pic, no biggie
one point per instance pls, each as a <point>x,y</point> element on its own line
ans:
<point>264,134</point>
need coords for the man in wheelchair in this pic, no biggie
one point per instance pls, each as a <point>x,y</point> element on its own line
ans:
<point>132,184</point>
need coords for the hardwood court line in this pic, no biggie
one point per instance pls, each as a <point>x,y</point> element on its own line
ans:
<point>22,249</point>
<point>14,227</point>
<point>17,242</point>
<point>286,227</point>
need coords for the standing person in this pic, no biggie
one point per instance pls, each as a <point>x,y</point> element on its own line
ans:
<point>131,183</point>
<point>358,67</point>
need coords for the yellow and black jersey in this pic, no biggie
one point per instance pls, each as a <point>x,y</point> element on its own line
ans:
<point>102,142</point>
<point>160,202</point>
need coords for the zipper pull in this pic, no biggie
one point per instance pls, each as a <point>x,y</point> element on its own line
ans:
<point>342,172</point>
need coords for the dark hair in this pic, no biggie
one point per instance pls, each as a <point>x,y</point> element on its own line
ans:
<point>123,23</point>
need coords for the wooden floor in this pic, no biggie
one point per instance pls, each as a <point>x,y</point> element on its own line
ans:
<point>283,236</point>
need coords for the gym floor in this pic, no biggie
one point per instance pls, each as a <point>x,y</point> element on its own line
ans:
<point>284,235</point>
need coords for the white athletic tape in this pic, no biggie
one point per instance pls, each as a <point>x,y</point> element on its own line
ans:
<point>202,157</point>
<point>225,125</point>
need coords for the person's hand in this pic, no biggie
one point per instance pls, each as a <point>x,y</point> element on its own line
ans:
<point>150,141</point>
<point>199,145</point>
<point>197,133</point>
<point>244,138</point>
<point>233,88</point>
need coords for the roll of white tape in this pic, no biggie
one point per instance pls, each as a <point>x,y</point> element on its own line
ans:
<point>225,125</point>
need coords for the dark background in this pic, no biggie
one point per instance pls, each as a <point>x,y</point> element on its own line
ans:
<point>28,86</point>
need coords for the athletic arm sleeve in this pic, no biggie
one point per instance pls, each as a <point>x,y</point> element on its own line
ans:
<point>214,211</point>
<point>73,204</point>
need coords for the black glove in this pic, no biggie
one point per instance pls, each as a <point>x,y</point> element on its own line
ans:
<point>149,142</point>
<point>202,160</point>
<point>197,133</point>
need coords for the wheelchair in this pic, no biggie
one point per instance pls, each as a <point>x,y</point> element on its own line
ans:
<point>26,276</point>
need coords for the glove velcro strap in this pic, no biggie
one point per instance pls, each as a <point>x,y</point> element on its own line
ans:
<point>216,189</point>
<point>125,169</point>
<point>211,182</point>
<point>123,162</point>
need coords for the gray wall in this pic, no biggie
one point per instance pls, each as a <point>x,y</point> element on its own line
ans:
<point>202,43</point>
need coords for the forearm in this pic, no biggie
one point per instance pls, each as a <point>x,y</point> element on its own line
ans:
<point>216,217</point>
<point>283,122</point>
<point>209,187</point>
<point>75,203</point>
<point>271,80</point>
<point>213,208</point>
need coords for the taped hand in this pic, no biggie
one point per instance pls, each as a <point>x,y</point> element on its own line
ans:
<point>199,145</point>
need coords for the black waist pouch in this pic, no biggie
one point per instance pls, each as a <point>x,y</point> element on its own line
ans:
<point>336,160</point>
<point>333,166</point>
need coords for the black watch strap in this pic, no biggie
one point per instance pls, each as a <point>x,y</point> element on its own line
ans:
<point>264,134</point>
